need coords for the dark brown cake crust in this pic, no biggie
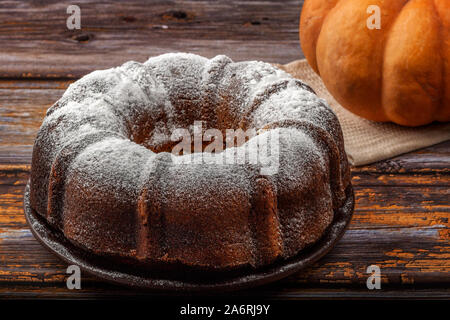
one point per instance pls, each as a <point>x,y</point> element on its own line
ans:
<point>176,278</point>
<point>103,176</point>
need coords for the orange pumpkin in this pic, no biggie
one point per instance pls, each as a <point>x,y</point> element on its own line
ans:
<point>399,72</point>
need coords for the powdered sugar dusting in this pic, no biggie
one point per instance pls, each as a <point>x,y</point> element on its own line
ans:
<point>136,107</point>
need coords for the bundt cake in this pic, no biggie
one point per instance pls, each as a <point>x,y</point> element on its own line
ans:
<point>104,176</point>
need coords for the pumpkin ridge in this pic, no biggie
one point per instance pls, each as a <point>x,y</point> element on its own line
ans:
<point>320,31</point>
<point>304,21</point>
<point>382,65</point>
<point>441,105</point>
<point>411,92</point>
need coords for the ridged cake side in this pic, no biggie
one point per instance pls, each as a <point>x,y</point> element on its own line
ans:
<point>101,173</point>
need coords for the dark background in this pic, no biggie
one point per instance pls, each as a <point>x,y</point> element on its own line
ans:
<point>35,39</point>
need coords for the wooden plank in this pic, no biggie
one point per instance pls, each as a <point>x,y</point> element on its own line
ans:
<point>37,44</point>
<point>407,235</point>
<point>277,291</point>
<point>23,105</point>
<point>22,108</point>
<point>406,256</point>
<point>376,200</point>
<point>420,161</point>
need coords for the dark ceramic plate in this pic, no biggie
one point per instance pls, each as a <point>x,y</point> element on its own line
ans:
<point>59,245</point>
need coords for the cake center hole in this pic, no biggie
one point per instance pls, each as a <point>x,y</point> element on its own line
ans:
<point>196,139</point>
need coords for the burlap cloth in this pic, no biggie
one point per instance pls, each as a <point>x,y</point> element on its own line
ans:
<point>367,141</point>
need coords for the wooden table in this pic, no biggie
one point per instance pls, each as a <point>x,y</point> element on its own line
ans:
<point>401,221</point>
